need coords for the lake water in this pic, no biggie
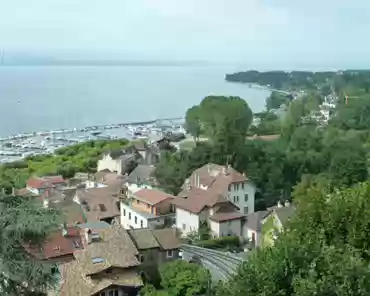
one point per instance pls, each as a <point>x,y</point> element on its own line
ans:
<point>44,98</point>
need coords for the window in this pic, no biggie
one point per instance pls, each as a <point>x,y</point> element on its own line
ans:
<point>124,212</point>
<point>138,201</point>
<point>135,220</point>
<point>229,187</point>
<point>141,258</point>
<point>97,260</point>
<point>243,186</point>
<point>246,197</point>
<point>245,210</point>
<point>169,254</point>
<point>116,293</point>
<point>111,293</point>
<point>183,226</point>
<point>102,294</point>
<point>76,244</point>
<point>148,206</point>
<point>129,215</point>
<point>141,224</point>
<point>102,208</point>
<point>237,199</point>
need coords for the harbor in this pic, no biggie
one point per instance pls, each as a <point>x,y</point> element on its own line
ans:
<point>22,145</point>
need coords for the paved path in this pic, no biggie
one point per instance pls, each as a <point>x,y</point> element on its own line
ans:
<point>221,265</point>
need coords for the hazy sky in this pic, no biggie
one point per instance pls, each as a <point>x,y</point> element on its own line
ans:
<point>283,32</point>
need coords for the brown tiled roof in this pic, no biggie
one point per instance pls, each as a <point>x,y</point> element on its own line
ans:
<point>254,220</point>
<point>197,199</point>
<point>223,217</point>
<point>57,244</point>
<point>167,238</point>
<point>44,182</point>
<point>115,249</point>
<point>143,238</point>
<point>98,203</point>
<point>152,196</point>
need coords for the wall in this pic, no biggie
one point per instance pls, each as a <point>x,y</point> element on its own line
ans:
<point>133,188</point>
<point>127,223</point>
<point>107,163</point>
<point>233,228</point>
<point>248,234</point>
<point>239,193</point>
<point>186,222</point>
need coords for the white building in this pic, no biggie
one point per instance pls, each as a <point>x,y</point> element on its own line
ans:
<point>223,180</point>
<point>147,208</point>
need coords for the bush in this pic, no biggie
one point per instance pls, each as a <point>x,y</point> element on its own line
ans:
<point>220,242</point>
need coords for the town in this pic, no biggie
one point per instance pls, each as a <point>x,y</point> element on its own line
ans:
<point>248,205</point>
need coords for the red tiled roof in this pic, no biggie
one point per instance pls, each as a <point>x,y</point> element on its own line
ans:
<point>57,244</point>
<point>44,182</point>
<point>39,183</point>
<point>152,196</point>
<point>223,217</point>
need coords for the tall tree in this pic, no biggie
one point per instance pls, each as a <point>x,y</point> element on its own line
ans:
<point>23,222</point>
<point>192,122</point>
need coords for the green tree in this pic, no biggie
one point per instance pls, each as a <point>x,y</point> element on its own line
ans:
<point>180,278</point>
<point>192,122</point>
<point>23,222</point>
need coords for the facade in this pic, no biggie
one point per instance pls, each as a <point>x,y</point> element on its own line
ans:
<point>253,228</point>
<point>115,162</point>
<point>146,208</point>
<point>274,222</point>
<point>224,180</point>
<point>220,214</point>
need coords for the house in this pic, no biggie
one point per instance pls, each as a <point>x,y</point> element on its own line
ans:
<point>274,222</point>
<point>98,204</point>
<point>149,152</point>
<point>221,215</point>
<point>226,181</point>
<point>253,227</point>
<point>117,161</point>
<point>38,185</point>
<point>156,246</point>
<point>147,208</point>
<point>105,179</point>
<point>59,246</point>
<point>108,265</point>
<point>141,177</point>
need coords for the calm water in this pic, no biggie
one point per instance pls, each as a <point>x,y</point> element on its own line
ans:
<point>43,98</point>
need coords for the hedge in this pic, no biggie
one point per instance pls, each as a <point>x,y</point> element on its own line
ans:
<point>220,242</point>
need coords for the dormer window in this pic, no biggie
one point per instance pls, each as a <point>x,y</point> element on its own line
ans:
<point>97,260</point>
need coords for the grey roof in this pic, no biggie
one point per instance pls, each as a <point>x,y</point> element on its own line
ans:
<point>284,213</point>
<point>143,238</point>
<point>94,225</point>
<point>254,220</point>
<point>141,174</point>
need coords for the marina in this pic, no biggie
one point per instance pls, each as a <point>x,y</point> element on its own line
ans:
<point>22,145</point>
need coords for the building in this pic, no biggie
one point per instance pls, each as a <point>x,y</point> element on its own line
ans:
<point>108,265</point>
<point>156,246</point>
<point>117,161</point>
<point>221,215</point>
<point>223,180</point>
<point>98,204</point>
<point>141,177</point>
<point>253,227</point>
<point>59,246</point>
<point>147,208</point>
<point>275,221</point>
<point>38,185</point>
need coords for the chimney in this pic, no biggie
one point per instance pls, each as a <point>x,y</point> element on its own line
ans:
<point>279,204</point>
<point>208,168</point>
<point>287,204</point>
<point>198,180</point>
<point>46,203</point>
<point>87,236</point>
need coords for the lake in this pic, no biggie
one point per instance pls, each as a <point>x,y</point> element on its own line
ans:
<point>36,98</point>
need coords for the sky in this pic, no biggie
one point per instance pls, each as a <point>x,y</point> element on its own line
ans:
<point>285,33</point>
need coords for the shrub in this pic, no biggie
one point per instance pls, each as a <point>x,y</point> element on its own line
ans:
<point>220,242</point>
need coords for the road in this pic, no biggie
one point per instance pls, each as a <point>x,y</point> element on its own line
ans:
<point>220,264</point>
